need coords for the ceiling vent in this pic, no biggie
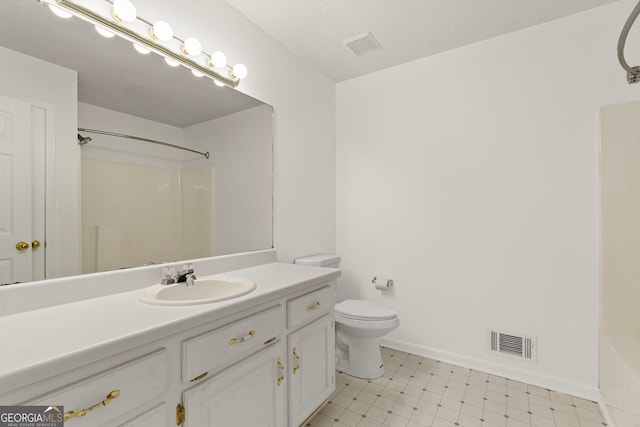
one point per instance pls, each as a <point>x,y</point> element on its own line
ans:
<point>363,43</point>
<point>518,346</point>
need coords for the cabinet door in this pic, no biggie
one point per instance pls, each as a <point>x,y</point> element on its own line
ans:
<point>250,393</point>
<point>311,368</point>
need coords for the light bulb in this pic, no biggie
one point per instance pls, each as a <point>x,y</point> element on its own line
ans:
<point>239,71</point>
<point>162,31</point>
<point>59,12</point>
<point>141,49</point>
<point>124,10</point>
<point>218,59</point>
<point>103,32</point>
<point>171,62</point>
<point>219,83</point>
<point>197,73</point>
<point>192,46</point>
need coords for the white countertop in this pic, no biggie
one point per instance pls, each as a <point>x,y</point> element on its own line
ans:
<point>42,343</point>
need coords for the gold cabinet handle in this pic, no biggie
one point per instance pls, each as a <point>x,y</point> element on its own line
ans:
<point>296,369</point>
<point>199,377</point>
<point>280,380</point>
<point>243,339</point>
<point>112,395</point>
<point>22,246</point>
<point>295,353</point>
<point>313,306</point>
<point>35,244</point>
<point>280,364</point>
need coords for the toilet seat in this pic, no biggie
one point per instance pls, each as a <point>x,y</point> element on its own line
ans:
<point>388,324</point>
<point>356,309</point>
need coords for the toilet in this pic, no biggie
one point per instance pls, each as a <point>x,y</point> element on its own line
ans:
<point>359,325</point>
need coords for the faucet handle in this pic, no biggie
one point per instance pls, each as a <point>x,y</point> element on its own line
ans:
<point>186,269</point>
<point>191,279</point>
<point>168,275</point>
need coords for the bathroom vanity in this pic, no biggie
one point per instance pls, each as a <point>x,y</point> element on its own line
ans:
<point>262,359</point>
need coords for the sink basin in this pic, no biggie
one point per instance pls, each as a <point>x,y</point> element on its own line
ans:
<point>205,290</point>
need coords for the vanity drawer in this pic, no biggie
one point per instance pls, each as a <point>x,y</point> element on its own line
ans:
<point>138,382</point>
<point>310,306</point>
<point>215,350</point>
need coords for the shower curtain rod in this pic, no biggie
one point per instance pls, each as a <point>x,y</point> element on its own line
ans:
<point>137,138</point>
<point>633,73</point>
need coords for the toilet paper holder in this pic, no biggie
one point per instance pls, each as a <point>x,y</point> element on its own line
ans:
<point>382,282</point>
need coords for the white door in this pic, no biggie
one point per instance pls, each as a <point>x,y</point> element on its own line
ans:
<point>15,191</point>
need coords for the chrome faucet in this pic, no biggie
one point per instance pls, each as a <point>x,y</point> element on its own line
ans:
<point>186,275</point>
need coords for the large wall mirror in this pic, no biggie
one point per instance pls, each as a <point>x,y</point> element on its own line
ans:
<point>134,202</point>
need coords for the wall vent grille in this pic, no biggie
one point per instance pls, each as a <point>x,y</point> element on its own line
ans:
<point>513,345</point>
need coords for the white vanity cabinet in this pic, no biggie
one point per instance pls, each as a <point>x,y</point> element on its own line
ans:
<point>311,368</point>
<point>280,385</point>
<point>108,396</point>
<point>263,360</point>
<point>210,352</point>
<point>251,393</point>
<point>311,352</point>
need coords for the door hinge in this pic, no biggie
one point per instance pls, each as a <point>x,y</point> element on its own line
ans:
<point>179,414</point>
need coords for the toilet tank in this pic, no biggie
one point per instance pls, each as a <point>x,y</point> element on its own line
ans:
<point>319,260</point>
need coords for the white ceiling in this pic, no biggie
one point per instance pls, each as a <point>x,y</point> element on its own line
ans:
<point>407,29</point>
<point>122,80</point>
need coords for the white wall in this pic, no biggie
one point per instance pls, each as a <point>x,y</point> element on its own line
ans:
<point>116,149</point>
<point>471,178</point>
<point>241,150</point>
<point>304,117</point>
<point>121,176</point>
<point>131,215</point>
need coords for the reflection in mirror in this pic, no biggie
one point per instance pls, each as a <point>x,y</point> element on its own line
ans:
<point>139,202</point>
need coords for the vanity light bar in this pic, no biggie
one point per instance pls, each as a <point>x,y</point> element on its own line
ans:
<point>141,38</point>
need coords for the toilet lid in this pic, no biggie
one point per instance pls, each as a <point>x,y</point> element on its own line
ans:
<point>362,309</point>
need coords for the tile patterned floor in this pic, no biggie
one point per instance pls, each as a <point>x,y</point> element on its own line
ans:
<point>419,392</point>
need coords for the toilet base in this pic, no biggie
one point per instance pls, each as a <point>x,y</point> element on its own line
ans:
<point>362,359</point>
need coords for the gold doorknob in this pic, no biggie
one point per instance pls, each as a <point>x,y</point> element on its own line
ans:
<point>35,244</point>
<point>21,246</point>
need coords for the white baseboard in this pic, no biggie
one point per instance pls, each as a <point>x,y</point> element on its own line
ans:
<point>605,411</point>
<point>584,391</point>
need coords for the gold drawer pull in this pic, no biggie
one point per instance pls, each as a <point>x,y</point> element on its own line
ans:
<point>280,364</point>
<point>243,339</point>
<point>112,395</point>
<point>280,380</point>
<point>296,369</point>
<point>295,353</point>
<point>313,307</point>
